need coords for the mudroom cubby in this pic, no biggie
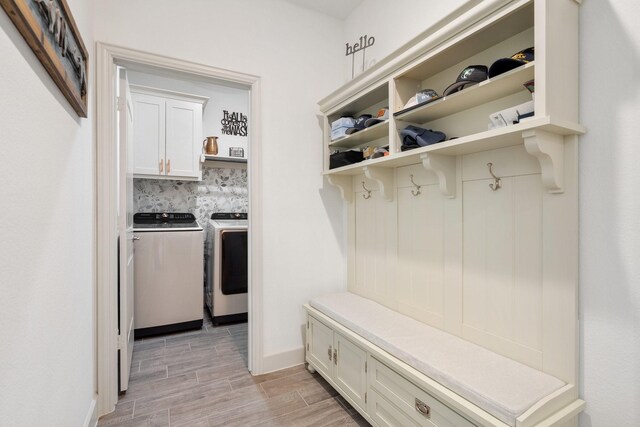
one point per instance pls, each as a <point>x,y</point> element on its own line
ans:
<point>474,236</point>
<point>370,102</point>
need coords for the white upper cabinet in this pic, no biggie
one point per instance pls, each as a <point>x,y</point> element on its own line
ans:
<point>167,134</point>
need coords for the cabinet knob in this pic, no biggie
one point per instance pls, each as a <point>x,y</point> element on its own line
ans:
<point>423,408</point>
<point>329,353</point>
<point>335,356</point>
<point>135,238</point>
<point>161,165</point>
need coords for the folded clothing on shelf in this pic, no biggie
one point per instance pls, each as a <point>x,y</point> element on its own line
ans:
<point>345,158</point>
<point>415,137</point>
<point>340,126</point>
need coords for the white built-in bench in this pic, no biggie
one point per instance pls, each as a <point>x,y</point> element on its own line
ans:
<point>502,387</point>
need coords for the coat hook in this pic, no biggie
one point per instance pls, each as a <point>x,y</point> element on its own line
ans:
<point>368,195</point>
<point>498,182</point>
<point>417,190</point>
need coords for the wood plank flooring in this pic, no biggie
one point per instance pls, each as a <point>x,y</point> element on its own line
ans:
<point>200,379</point>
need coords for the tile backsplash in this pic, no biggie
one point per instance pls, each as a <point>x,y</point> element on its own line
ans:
<point>221,190</point>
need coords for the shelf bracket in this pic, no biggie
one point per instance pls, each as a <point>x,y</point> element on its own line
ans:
<point>548,148</point>
<point>383,177</point>
<point>445,169</point>
<point>344,184</point>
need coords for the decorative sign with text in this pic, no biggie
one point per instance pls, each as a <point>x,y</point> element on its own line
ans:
<point>363,43</point>
<point>234,123</point>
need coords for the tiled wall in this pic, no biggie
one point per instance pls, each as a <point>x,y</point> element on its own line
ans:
<point>221,190</point>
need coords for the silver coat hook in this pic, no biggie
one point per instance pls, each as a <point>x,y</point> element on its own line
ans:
<point>498,182</point>
<point>368,195</point>
<point>417,190</point>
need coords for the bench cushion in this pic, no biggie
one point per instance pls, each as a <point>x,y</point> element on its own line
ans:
<point>499,385</point>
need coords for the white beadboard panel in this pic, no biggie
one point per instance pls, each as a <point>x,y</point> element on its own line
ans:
<point>502,271</point>
<point>420,276</point>
<point>374,246</point>
<point>528,261</point>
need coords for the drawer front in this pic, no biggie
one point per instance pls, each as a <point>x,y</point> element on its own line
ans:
<point>409,398</point>
<point>386,414</point>
<point>320,340</point>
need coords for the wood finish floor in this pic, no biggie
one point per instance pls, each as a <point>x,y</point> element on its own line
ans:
<point>200,379</point>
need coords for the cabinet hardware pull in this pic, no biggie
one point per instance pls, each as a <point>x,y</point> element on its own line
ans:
<point>135,238</point>
<point>498,182</point>
<point>329,353</point>
<point>335,356</point>
<point>423,408</point>
<point>168,166</point>
<point>161,165</point>
<point>368,195</point>
<point>417,190</point>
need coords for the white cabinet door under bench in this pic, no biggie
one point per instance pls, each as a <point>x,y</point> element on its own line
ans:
<point>339,360</point>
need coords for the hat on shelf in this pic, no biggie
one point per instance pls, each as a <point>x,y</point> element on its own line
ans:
<point>422,97</point>
<point>414,137</point>
<point>507,64</point>
<point>358,125</point>
<point>383,114</point>
<point>470,76</point>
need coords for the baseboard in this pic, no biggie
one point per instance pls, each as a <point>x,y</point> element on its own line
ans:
<point>282,360</point>
<point>91,419</point>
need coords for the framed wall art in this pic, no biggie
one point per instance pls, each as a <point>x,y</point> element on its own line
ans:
<point>51,32</point>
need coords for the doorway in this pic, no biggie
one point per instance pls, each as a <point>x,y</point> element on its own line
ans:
<point>108,58</point>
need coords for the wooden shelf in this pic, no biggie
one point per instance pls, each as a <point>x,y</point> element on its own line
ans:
<point>212,158</point>
<point>381,130</point>
<point>496,138</point>
<point>353,106</point>
<point>498,87</point>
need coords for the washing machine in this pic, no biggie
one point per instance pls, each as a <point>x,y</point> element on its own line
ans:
<point>226,267</point>
<point>168,272</point>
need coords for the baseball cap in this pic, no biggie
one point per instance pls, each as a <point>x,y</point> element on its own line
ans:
<point>471,75</point>
<point>358,125</point>
<point>507,64</point>
<point>422,97</point>
<point>383,114</point>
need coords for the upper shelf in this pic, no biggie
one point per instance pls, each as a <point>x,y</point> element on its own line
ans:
<point>486,91</point>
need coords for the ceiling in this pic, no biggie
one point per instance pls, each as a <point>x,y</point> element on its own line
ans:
<point>337,8</point>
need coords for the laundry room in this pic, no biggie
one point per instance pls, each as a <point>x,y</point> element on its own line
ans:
<point>189,139</point>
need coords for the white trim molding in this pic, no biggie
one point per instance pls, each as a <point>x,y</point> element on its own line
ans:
<point>106,217</point>
<point>284,359</point>
<point>91,420</point>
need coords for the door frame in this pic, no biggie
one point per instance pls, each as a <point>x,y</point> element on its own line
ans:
<point>105,249</point>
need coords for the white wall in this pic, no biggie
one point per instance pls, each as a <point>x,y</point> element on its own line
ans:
<point>293,50</point>
<point>46,241</point>
<point>392,24</point>
<point>609,187</point>
<point>610,212</point>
